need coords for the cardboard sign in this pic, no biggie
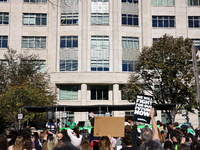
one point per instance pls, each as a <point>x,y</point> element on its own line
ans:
<point>142,108</point>
<point>113,126</point>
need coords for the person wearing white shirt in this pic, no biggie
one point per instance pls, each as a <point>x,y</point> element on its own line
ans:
<point>74,136</point>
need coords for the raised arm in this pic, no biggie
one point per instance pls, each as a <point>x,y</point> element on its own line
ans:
<point>154,125</point>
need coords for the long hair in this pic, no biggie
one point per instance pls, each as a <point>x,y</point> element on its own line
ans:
<point>52,142</point>
<point>160,136</point>
<point>168,145</point>
<point>77,132</point>
<point>85,144</point>
<point>128,129</point>
<point>104,143</point>
<point>3,142</point>
<point>127,140</point>
<point>27,144</point>
<point>18,143</point>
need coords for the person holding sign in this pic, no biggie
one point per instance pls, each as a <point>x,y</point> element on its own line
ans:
<point>147,134</point>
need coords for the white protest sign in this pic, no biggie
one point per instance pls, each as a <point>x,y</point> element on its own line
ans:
<point>142,108</point>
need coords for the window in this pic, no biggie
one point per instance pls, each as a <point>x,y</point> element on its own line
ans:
<point>68,92</point>
<point>3,41</point>
<point>35,1</point>
<point>130,20</point>
<point>4,18</point>
<point>4,0</point>
<point>69,53</point>
<point>68,65</point>
<point>69,18</point>
<point>193,2</point>
<point>127,65</point>
<point>100,18</point>
<point>163,21</point>
<point>3,64</point>
<point>155,39</point>
<point>99,65</point>
<point>129,113</point>
<point>68,41</point>
<point>99,53</point>
<point>99,92</point>
<point>100,12</point>
<point>34,19</point>
<point>130,42</point>
<point>130,12</point>
<point>130,1</point>
<point>40,64</point>
<point>163,2</point>
<point>130,49</point>
<point>194,22</point>
<point>34,42</point>
<point>122,92</point>
<point>196,43</point>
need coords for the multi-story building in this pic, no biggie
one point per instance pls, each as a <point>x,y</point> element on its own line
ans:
<point>90,46</point>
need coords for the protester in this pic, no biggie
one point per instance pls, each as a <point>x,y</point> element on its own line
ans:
<point>13,137</point>
<point>44,145</point>
<point>92,135</point>
<point>168,145</point>
<point>104,143</point>
<point>160,137</point>
<point>62,140</point>
<point>85,142</point>
<point>74,136</point>
<point>150,145</point>
<point>8,135</point>
<point>57,124</point>
<point>37,142</point>
<point>3,142</point>
<point>88,122</point>
<point>70,123</point>
<point>68,146</point>
<point>64,132</point>
<point>51,125</point>
<point>52,142</point>
<point>19,142</point>
<point>127,143</point>
<point>133,133</point>
<point>183,147</point>
<point>27,144</point>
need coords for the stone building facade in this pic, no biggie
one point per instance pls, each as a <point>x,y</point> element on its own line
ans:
<point>90,46</point>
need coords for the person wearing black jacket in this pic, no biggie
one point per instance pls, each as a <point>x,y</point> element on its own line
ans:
<point>133,133</point>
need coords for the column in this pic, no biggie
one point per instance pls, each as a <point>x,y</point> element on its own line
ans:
<point>15,23</point>
<point>83,100</point>
<point>53,37</point>
<point>115,98</point>
<point>84,39</point>
<point>181,18</point>
<point>145,23</point>
<point>115,42</point>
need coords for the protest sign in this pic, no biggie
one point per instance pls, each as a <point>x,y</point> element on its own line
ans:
<point>113,126</point>
<point>142,108</point>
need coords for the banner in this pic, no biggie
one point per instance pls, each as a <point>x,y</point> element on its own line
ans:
<point>142,108</point>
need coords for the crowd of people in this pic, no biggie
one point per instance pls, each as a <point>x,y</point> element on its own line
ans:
<point>168,137</point>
